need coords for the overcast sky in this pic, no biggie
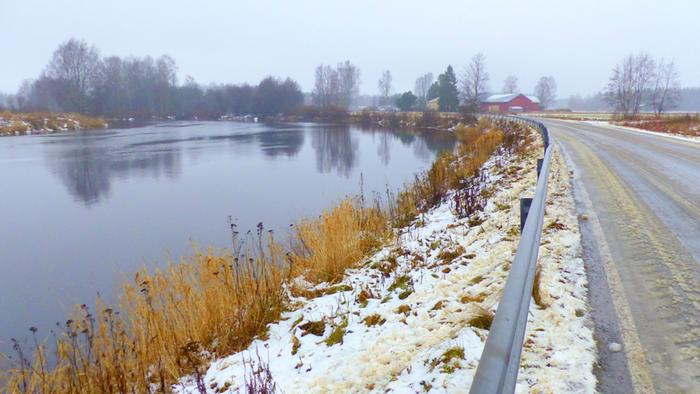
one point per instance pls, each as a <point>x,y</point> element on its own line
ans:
<point>243,41</point>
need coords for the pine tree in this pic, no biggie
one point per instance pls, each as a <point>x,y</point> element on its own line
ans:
<point>447,91</point>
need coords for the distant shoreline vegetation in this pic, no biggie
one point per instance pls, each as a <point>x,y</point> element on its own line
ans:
<point>78,79</point>
<point>46,123</point>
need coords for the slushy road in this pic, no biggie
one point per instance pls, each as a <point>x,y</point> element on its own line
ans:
<point>639,199</point>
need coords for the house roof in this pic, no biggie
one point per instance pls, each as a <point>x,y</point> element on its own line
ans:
<point>504,98</point>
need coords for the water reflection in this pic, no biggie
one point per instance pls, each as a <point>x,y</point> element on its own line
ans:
<point>336,149</point>
<point>88,164</point>
<point>287,142</point>
<point>87,168</point>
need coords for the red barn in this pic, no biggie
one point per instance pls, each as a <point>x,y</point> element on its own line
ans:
<point>512,102</point>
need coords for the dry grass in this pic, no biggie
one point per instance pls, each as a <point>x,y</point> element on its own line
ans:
<point>686,124</point>
<point>537,294</point>
<point>172,321</point>
<point>46,122</point>
<point>449,171</point>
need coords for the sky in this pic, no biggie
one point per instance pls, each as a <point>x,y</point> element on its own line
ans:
<point>577,42</point>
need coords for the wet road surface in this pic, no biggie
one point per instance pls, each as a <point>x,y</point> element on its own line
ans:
<point>639,197</point>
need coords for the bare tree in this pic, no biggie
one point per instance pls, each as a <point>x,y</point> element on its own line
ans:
<point>510,84</point>
<point>23,95</point>
<point>326,86</point>
<point>475,82</point>
<point>75,62</point>
<point>384,85</point>
<point>422,87</point>
<point>348,83</point>
<point>630,82</point>
<point>546,90</point>
<point>666,93</point>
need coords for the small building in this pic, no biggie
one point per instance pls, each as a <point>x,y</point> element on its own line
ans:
<point>511,102</point>
<point>433,105</point>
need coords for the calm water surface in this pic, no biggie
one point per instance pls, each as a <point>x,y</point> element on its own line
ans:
<point>81,212</point>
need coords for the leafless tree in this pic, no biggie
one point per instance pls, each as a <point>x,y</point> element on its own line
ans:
<point>384,85</point>
<point>326,86</point>
<point>23,95</point>
<point>546,90</point>
<point>630,82</point>
<point>665,93</point>
<point>475,81</point>
<point>510,84</point>
<point>422,86</point>
<point>75,62</point>
<point>348,83</point>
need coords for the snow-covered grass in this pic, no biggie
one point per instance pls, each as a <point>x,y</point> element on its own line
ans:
<point>44,122</point>
<point>414,316</point>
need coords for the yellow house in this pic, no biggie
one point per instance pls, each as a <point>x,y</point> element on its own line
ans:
<point>433,105</point>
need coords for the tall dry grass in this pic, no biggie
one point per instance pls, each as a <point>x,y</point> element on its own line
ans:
<point>171,321</point>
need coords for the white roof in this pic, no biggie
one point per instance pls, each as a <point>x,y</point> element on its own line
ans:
<point>504,98</point>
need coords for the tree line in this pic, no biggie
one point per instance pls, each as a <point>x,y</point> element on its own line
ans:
<point>78,79</point>
<point>463,93</point>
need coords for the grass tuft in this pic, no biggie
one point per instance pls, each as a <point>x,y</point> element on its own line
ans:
<point>481,319</point>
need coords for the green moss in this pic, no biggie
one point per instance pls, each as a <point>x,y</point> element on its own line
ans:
<point>337,334</point>
<point>336,289</point>
<point>449,360</point>
<point>402,282</point>
<point>404,294</point>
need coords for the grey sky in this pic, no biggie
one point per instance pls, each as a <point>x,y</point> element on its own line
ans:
<point>236,41</point>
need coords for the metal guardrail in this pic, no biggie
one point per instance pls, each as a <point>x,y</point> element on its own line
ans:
<point>497,371</point>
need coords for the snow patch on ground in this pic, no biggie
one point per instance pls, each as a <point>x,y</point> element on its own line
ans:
<point>656,133</point>
<point>410,318</point>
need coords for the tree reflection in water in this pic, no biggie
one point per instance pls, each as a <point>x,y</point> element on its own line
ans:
<point>87,167</point>
<point>336,149</point>
<point>88,164</point>
<point>286,141</point>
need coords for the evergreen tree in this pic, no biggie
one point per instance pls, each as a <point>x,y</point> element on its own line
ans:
<point>447,91</point>
<point>406,101</point>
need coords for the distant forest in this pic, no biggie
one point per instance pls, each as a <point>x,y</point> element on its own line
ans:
<point>78,79</point>
<point>689,101</point>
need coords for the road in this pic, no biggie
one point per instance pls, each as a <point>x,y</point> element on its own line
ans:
<point>639,200</point>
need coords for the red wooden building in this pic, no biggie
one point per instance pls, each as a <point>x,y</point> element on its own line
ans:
<point>512,102</point>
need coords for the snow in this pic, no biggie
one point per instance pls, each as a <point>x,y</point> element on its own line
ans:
<point>681,137</point>
<point>423,339</point>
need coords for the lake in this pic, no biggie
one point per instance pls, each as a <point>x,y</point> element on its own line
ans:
<point>81,212</point>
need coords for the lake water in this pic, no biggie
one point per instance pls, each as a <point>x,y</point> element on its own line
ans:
<point>81,212</point>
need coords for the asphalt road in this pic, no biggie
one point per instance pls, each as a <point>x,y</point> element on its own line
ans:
<point>639,200</point>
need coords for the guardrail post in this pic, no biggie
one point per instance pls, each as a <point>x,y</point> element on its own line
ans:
<point>524,210</point>
<point>539,167</point>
